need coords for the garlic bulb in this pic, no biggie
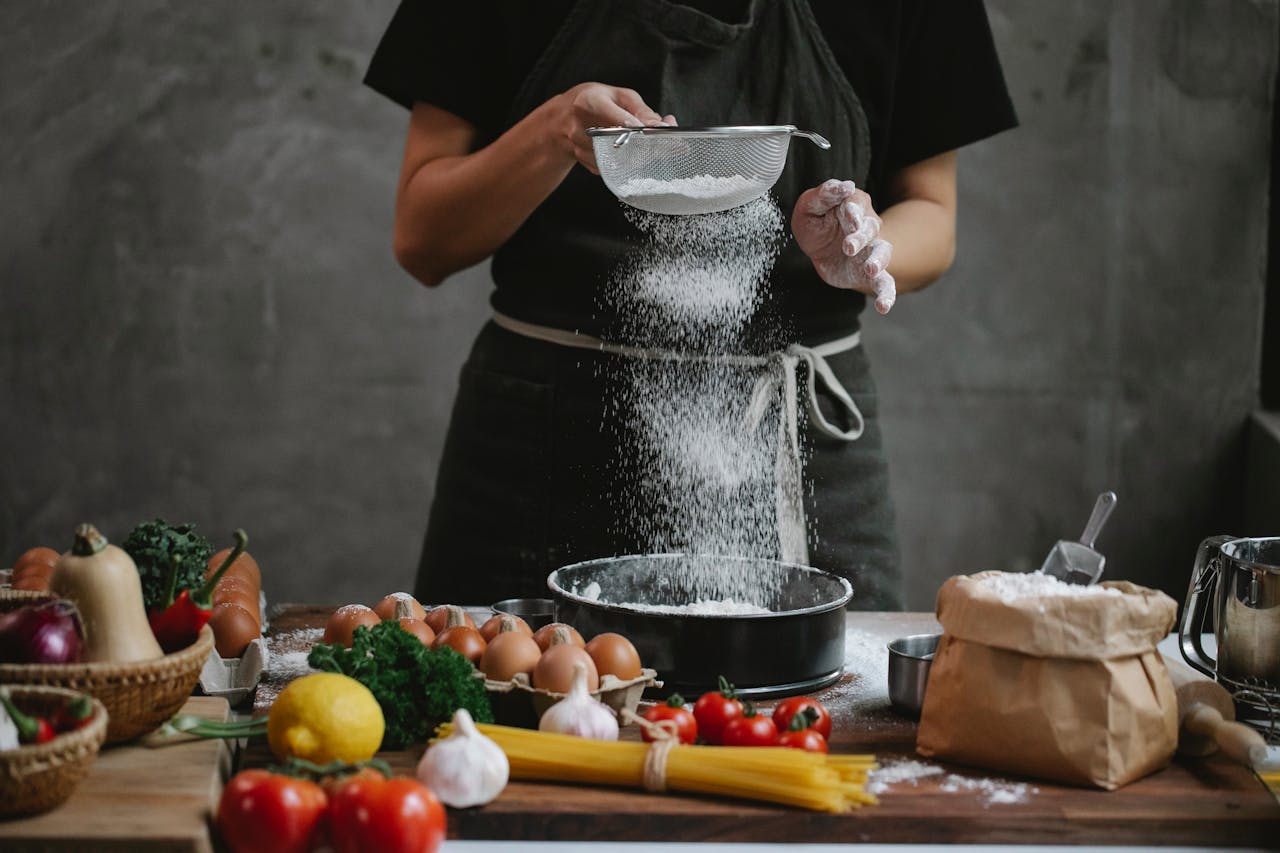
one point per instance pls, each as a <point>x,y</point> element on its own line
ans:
<point>579,714</point>
<point>466,768</point>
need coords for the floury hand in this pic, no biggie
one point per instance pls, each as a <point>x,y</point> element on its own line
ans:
<point>837,227</point>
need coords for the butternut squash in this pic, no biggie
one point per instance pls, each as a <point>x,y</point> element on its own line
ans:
<point>103,582</point>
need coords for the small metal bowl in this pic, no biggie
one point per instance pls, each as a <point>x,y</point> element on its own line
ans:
<point>909,661</point>
<point>535,611</point>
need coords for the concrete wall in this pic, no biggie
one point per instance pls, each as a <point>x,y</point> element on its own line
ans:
<point>200,316</point>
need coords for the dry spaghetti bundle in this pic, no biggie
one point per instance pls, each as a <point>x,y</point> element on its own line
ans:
<point>833,783</point>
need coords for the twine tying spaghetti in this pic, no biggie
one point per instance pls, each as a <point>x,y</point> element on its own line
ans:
<point>666,737</point>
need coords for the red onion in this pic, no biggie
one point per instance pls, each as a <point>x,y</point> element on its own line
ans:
<point>48,632</point>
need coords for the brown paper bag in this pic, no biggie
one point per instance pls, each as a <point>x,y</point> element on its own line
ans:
<point>1067,688</point>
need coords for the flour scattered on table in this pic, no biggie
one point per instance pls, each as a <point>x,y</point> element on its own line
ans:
<point>909,771</point>
<point>898,772</point>
<point>993,791</point>
<point>288,660</point>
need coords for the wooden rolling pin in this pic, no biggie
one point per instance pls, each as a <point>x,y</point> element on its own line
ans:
<point>1206,719</point>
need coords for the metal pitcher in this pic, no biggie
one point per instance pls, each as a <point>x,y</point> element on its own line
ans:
<point>1240,578</point>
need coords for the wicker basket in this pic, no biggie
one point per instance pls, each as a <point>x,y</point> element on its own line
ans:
<point>15,598</point>
<point>40,777</point>
<point>139,695</point>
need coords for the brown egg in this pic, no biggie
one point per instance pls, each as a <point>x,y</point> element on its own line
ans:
<point>36,557</point>
<point>345,620</point>
<point>464,640</point>
<point>554,671</point>
<point>614,655</point>
<point>244,566</point>
<point>510,652</point>
<point>494,626</point>
<point>32,582</point>
<point>546,635</point>
<point>233,629</point>
<point>386,608</point>
<point>239,591</point>
<point>448,615</point>
<point>419,629</point>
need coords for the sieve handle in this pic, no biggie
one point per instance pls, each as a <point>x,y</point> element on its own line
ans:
<point>815,138</point>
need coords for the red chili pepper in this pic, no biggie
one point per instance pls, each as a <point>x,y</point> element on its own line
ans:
<point>179,622</point>
<point>31,729</point>
<point>76,714</point>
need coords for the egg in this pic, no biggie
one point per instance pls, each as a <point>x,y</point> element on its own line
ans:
<point>344,621</point>
<point>233,629</point>
<point>509,653</point>
<point>439,617</point>
<point>419,629</point>
<point>493,626</point>
<point>386,608</point>
<point>547,633</point>
<point>614,655</point>
<point>463,639</point>
<point>240,591</point>
<point>554,671</point>
<point>244,566</point>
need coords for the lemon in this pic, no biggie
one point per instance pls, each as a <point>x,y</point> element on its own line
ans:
<point>325,717</point>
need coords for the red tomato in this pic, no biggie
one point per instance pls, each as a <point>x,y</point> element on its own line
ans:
<point>673,709</point>
<point>788,708</point>
<point>751,729</point>
<point>715,709</point>
<point>269,813</point>
<point>810,740</point>
<point>370,812</point>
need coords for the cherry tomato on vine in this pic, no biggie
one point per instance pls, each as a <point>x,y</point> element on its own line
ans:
<point>788,708</point>
<point>271,813</point>
<point>673,709</point>
<point>751,729</point>
<point>810,740</point>
<point>714,709</point>
<point>370,812</point>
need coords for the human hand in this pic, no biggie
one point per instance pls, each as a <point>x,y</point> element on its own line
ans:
<point>836,226</point>
<point>597,105</point>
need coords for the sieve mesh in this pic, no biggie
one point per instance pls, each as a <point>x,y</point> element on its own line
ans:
<point>692,170</point>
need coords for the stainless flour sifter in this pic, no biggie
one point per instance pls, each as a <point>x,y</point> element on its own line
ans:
<point>686,170</point>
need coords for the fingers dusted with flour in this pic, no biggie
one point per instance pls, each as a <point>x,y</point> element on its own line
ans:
<point>836,225</point>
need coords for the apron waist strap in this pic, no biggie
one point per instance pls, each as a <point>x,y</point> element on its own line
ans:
<point>813,358</point>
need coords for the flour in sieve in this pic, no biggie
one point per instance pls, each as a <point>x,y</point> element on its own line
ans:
<point>696,186</point>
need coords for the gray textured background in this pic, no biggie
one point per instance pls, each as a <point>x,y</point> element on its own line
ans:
<point>202,318</point>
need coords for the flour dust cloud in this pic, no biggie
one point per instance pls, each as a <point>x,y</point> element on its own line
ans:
<point>701,473</point>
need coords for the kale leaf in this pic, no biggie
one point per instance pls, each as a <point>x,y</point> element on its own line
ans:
<point>151,543</point>
<point>417,687</point>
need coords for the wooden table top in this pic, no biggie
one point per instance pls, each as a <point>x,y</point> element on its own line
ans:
<point>1209,802</point>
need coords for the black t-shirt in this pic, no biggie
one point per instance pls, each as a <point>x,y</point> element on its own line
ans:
<point>925,71</point>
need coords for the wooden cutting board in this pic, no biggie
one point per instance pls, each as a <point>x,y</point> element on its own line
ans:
<point>136,798</point>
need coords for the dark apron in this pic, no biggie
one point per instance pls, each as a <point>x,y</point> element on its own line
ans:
<point>532,475</point>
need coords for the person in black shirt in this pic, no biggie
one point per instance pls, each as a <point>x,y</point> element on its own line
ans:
<point>500,97</point>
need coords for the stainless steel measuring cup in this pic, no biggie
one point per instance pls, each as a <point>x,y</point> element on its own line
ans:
<point>1077,562</point>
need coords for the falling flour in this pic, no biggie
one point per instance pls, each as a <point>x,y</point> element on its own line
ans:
<point>700,607</point>
<point>700,469</point>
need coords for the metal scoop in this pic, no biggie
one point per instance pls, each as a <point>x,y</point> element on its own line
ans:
<point>1077,562</point>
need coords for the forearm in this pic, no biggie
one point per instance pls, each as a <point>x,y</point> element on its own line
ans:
<point>923,235</point>
<point>455,211</point>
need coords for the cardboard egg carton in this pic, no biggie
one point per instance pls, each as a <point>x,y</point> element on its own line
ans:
<point>518,703</point>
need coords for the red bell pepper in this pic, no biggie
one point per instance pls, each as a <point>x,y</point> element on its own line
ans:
<point>178,623</point>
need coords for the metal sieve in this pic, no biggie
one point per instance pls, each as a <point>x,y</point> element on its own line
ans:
<point>684,170</point>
